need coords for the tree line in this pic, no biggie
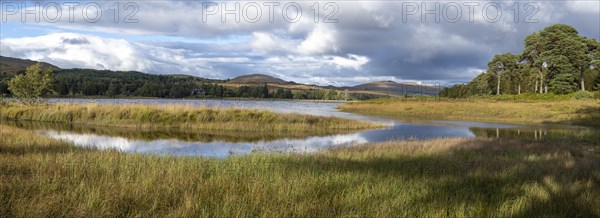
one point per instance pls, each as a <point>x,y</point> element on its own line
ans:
<point>105,83</point>
<point>556,59</point>
<point>87,82</point>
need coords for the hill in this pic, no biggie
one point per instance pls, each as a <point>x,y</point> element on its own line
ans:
<point>11,66</point>
<point>394,88</point>
<point>257,79</point>
<point>107,83</point>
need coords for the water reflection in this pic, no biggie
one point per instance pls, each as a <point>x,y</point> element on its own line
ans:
<point>587,135</point>
<point>207,149</point>
<point>196,144</point>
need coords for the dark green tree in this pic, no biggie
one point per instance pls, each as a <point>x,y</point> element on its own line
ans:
<point>114,89</point>
<point>532,55</point>
<point>563,45</point>
<point>264,91</point>
<point>501,64</point>
<point>563,83</point>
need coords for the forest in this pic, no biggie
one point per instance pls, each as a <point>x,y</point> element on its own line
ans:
<point>106,83</point>
<point>554,60</point>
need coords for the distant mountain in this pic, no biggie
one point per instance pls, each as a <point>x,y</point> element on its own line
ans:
<point>391,87</point>
<point>257,79</point>
<point>10,66</point>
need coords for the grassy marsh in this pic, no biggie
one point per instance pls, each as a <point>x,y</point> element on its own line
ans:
<point>180,117</point>
<point>578,112</point>
<point>188,135</point>
<point>444,177</point>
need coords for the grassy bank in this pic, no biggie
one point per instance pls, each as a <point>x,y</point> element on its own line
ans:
<point>181,117</point>
<point>446,177</point>
<point>191,135</point>
<point>579,112</point>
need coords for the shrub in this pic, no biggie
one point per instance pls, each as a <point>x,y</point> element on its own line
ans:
<point>2,101</point>
<point>528,97</point>
<point>580,95</point>
<point>30,88</point>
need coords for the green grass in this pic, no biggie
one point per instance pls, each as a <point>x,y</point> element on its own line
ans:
<point>523,111</point>
<point>436,178</point>
<point>180,117</point>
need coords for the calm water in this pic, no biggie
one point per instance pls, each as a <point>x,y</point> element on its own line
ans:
<point>221,144</point>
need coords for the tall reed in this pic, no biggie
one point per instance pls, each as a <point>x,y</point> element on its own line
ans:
<point>180,116</point>
<point>586,113</point>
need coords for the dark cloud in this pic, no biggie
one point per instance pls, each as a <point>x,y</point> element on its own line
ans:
<point>75,41</point>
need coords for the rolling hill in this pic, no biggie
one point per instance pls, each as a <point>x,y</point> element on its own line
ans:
<point>257,79</point>
<point>382,88</point>
<point>394,88</point>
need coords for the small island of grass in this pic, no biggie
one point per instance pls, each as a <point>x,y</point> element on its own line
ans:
<point>181,117</point>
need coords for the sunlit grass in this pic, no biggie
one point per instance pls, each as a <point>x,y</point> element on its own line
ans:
<point>189,135</point>
<point>444,177</point>
<point>180,116</point>
<point>580,112</point>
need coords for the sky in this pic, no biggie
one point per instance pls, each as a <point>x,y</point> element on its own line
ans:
<point>315,42</point>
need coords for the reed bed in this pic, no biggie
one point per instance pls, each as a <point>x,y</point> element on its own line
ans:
<point>42,177</point>
<point>578,112</point>
<point>191,135</point>
<point>181,117</point>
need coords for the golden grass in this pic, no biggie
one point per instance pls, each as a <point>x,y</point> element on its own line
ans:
<point>435,178</point>
<point>531,112</point>
<point>179,116</point>
<point>190,135</point>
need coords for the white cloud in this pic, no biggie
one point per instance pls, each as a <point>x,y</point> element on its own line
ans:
<point>318,63</point>
<point>265,43</point>
<point>70,50</point>
<point>321,40</point>
<point>352,62</point>
<point>590,7</point>
<point>76,50</point>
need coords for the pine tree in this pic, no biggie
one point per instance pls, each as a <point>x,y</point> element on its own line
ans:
<point>563,83</point>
